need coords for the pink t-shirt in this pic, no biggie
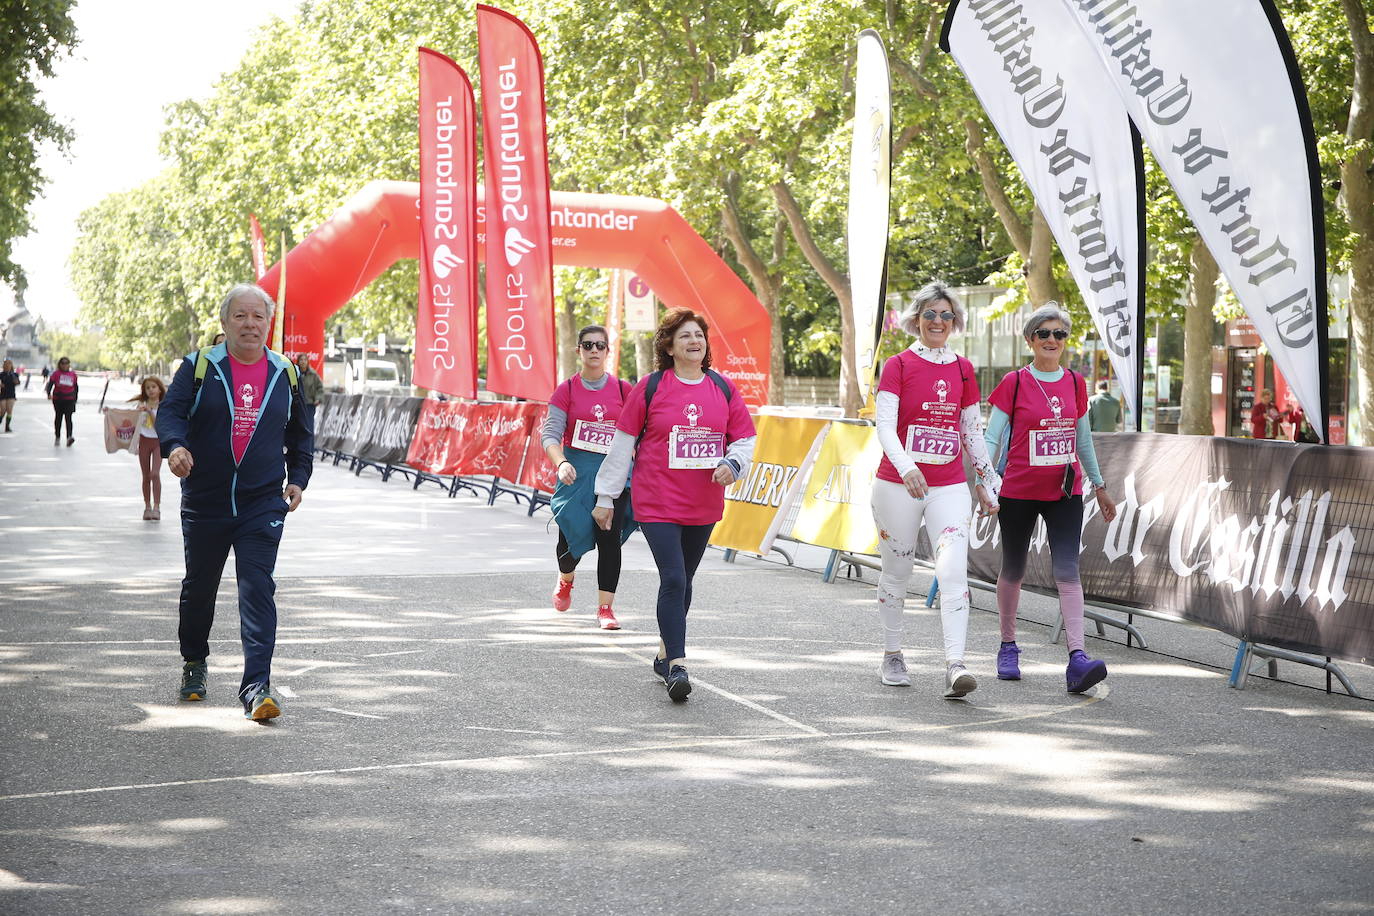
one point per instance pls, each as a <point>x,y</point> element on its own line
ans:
<point>1044,433</point>
<point>930,399</point>
<point>63,385</point>
<point>249,382</point>
<point>591,414</point>
<point>688,429</point>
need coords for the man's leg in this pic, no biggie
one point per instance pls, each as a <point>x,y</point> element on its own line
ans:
<point>255,558</point>
<point>206,547</point>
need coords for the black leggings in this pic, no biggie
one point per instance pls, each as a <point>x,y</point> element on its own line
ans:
<point>607,549</point>
<point>62,409</point>
<point>677,551</point>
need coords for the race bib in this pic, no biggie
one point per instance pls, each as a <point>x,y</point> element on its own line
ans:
<point>695,448</point>
<point>931,445</point>
<point>1050,447</point>
<point>592,436</point>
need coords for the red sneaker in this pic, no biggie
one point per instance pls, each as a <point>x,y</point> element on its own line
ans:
<point>562,596</point>
<point>605,619</point>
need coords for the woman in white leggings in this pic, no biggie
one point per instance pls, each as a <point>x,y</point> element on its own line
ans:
<point>927,417</point>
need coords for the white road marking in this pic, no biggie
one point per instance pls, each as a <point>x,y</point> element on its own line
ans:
<point>345,712</point>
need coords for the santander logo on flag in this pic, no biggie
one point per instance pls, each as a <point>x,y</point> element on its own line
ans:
<point>517,246</point>
<point>444,261</point>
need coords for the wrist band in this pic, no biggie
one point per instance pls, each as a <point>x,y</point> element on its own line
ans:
<point>563,462</point>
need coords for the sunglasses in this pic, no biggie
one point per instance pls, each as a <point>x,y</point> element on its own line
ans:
<point>931,315</point>
<point>593,344</point>
<point>1044,333</point>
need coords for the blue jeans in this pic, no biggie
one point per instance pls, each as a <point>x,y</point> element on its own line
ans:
<point>677,551</point>
<point>254,536</point>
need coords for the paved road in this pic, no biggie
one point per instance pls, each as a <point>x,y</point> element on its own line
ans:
<point>452,745</point>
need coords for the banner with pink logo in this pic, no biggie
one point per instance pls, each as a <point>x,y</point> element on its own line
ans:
<point>446,316</point>
<point>467,439</point>
<point>519,246</point>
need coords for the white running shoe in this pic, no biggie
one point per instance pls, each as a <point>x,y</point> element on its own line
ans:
<point>958,681</point>
<point>894,671</point>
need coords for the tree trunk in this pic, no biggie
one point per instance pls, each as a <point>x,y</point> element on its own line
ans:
<point>1040,282</point>
<point>839,285</point>
<point>1198,326</point>
<point>566,326</point>
<point>644,353</point>
<point>766,283</point>
<point>1356,201</point>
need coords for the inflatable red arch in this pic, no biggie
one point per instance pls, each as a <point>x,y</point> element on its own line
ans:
<point>380,225</point>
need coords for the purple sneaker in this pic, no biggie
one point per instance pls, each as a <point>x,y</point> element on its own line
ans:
<point>1083,672</point>
<point>1009,662</point>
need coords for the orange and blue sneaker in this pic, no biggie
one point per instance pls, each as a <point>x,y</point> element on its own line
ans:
<point>193,681</point>
<point>261,705</point>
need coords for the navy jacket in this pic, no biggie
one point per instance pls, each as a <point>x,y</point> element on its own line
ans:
<point>282,445</point>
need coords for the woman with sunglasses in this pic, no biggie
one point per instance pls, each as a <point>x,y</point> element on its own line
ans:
<point>927,416</point>
<point>689,435</point>
<point>1043,409</point>
<point>576,437</point>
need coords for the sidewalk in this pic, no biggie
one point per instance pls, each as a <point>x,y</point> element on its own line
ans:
<point>452,745</point>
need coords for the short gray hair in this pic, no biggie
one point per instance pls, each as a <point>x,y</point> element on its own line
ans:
<point>1050,311</point>
<point>246,289</point>
<point>929,294</point>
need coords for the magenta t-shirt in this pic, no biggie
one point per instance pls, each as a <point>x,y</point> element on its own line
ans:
<point>1044,433</point>
<point>246,392</point>
<point>63,385</point>
<point>591,414</point>
<point>930,398</point>
<point>685,436</point>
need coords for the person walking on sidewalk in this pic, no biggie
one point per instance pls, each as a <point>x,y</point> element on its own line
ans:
<point>576,437</point>
<point>1043,410</point>
<point>927,417</point>
<point>234,428</point>
<point>151,391</point>
<point>312,386</point>
<point>9,392</point>
<point>1104,411</point>
<point>681,470</point>
<point>63,388</point>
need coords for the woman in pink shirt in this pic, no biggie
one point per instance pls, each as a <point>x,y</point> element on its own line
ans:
<point>1049,452</point>
<point>694,438</point>
<point>927,417</point>
<point>63,388</point>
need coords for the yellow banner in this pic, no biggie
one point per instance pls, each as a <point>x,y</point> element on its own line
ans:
<point>752,504</point>
<point>836,510</point>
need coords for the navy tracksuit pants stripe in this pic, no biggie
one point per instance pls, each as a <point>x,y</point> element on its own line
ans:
<point>254,537</point>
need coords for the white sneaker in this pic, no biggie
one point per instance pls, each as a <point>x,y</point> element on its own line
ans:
<point>894,671</point>
<point>958,681</point>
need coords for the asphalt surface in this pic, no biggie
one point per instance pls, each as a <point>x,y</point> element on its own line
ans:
<point>451,745</point>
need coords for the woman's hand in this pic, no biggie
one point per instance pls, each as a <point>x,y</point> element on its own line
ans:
<point>567,473</point>
<point>915,483</point>
<point>1105,504</point>
<point>988,505</point>
<point>724,475</point>
<point>602,516</point>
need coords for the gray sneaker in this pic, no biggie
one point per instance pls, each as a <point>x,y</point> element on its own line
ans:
<point>894,671</point>
<point>958,681</point>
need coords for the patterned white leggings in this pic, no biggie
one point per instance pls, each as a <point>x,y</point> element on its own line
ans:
<point>946,513</point>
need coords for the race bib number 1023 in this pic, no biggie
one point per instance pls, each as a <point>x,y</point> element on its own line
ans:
<point>695,448</point>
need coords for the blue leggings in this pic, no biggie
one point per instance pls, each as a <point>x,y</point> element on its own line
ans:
<point>677,551</point>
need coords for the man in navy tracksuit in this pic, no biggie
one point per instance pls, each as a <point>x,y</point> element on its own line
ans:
<point>232,435</point>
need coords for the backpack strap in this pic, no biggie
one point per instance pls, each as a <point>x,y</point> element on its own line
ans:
<point>650,386</point>
<point>721,383</point>
<point>202,358</point>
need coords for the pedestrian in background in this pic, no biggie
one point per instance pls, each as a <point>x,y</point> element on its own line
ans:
<point>9,380</point>
<point>312,386</point>
<point>150,395</point>
<point>689,435</point>
<point>63,388</point>
<point>234,428</point>
<point>1104,411</point>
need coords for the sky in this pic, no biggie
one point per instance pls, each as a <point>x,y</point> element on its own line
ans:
<point>134,57</point>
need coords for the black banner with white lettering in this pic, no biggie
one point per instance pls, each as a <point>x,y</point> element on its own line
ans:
<point>1267,541</point>
<point>385,428</point>
<point>333,420</point>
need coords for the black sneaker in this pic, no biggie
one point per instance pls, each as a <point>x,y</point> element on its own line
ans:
<point>261,705</point>
<point>678,684</point>
<point>70,440</point>
<point>661,668</point>
<point>193,681</point>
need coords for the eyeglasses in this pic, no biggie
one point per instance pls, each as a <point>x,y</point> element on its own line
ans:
<point>592,344</point>
<point>931,315</point>
<point>1044,333</point>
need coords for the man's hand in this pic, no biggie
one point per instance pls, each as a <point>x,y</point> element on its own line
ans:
<point>915,483</point>
<point>1105,504</point>
<point>602,516</point>
<point>180,461</point>
<point>724,475</point>
<point>292,495</point>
